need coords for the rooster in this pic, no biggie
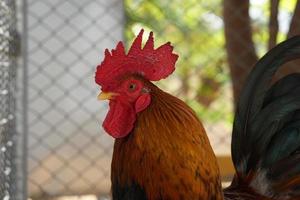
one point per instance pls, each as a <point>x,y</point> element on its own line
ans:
<point>161,150</point>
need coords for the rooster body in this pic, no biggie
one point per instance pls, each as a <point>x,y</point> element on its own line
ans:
<point>161,150</point>
<point>153,158</point>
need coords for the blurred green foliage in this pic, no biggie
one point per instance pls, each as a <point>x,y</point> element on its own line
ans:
<point>260,12</point>
<point>195,28</point>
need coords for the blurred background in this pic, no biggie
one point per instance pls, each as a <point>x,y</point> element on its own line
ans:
<point>52,145</point>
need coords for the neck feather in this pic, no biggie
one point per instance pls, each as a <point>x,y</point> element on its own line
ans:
<point>168,153</point>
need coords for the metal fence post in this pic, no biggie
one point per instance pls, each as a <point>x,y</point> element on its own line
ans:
<point>8,66</point>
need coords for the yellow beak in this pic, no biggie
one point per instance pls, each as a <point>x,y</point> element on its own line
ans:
<point>107,95</point>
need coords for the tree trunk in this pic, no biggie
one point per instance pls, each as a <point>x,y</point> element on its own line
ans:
<point>295,22</point>
<point>239,44</point>
<point>273,23</point>
<point>294,29</point>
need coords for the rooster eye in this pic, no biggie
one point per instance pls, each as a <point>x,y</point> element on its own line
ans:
<point>132,86</point>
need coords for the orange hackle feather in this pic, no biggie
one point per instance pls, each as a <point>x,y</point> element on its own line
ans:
<point>171,142</point>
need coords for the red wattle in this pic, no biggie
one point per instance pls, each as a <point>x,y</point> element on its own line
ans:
<point>119,120</point>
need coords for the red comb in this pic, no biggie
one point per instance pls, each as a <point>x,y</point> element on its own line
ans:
<point>152,64</point>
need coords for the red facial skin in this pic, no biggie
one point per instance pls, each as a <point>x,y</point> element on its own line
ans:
<point>151,64</point>
<point>132,97</point>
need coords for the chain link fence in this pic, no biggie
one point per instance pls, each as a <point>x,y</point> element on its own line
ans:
<point>8,67</point>
<point>58,115</point>
<point>68,154</point>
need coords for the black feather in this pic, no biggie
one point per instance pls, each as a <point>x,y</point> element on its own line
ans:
<point>283,86</point>
<point>131,191</point>
<point>285,143</point>
<point>279,171</point>
<point>252,99</point>
<point>266,131</point>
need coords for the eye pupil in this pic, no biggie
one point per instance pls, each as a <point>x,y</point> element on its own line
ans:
<point>132,86</point>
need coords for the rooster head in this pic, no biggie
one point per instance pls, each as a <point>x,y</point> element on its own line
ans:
<point>123,79</point>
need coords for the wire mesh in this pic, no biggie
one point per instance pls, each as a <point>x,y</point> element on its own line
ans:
<point>8,182</point>
<point>67,152</point>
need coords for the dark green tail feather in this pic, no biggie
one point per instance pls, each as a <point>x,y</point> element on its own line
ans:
<point>283,86</point>
<point>283,144</point>
<point>266,128</point>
